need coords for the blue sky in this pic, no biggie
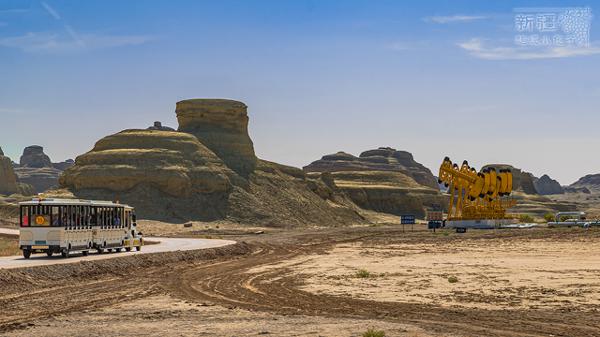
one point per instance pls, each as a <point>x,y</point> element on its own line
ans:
<point>434,78</point>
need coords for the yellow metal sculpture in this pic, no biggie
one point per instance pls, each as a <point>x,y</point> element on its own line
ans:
<point>476,195</point>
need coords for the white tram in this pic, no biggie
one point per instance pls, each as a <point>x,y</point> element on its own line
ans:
<point>67,225</point>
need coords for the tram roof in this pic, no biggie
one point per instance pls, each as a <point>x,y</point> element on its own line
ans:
<point>71,202</point>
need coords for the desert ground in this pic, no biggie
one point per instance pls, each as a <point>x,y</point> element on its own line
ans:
<point>322,282</point>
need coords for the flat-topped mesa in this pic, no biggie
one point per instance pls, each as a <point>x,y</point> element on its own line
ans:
<point>221,125</point>
<point>34,156</point>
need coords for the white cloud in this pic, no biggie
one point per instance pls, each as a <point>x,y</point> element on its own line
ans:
<point>54,42</point>
<point>53,13</point>
<point>478,48</point>
<point>453,18</point>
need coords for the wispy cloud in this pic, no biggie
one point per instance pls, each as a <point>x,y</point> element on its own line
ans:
<point>53,13</point>
<point>46,42</point>
<point>453,18</point>
<point>481,49</point>
<point>407,45</point>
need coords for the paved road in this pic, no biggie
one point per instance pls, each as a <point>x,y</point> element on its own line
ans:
<point>165,245</point>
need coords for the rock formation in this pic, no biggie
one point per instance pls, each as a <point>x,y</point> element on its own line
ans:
<point>158,126</point>
<point>37,170</point>
<point>175,163</point>
<point>34,156</point>
<point>205,171</point>
<point>546,186</point>
<point>590,181</point>
<point>381,159</point>
<point>384,180</point>
<point>221,125</point>
<point>8,179</point>
<point>522,181</point>
<point>570,189</point>
<point>63,165</point>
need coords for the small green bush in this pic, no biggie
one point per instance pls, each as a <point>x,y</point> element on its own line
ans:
<point>549,217</point>
<point>373,333</point>
<point>452,279</point>
<point>362,273</point>
<point>525,218</point>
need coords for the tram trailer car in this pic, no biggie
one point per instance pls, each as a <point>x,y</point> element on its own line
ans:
<point>54,226</point>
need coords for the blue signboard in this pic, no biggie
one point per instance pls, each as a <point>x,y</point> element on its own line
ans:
<point>407,219</point>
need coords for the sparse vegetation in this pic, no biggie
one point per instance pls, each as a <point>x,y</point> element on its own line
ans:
<point>363,273</point>
<point>549,217</point>
<point>525,218</point>
<point>373,333</point>
<point>9,247</point>
<point>452,279</point>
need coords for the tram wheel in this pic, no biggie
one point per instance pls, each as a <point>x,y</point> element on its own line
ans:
<point>65,253</point>
<point>128,249</point>
<point>138,248</point>
<point>84,253</point>
<point>49,252</point>
<point>119,250</point>
<point>26,253</point>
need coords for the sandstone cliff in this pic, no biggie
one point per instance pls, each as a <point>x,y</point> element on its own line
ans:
<point>221,125</point>
<point>209,172</point>
<point>8,179</point>
<point>383,180</point>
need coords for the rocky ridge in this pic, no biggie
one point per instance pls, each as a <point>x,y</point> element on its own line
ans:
<point>590,181</point>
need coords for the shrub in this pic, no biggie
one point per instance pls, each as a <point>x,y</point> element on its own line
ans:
<point>373,333</point>
<point>525,218</point>
<point>362,273</point>
<point>549,217</point>
<point>452,279</point>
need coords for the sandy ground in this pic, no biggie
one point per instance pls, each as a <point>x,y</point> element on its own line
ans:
<point>162,315</point>
<point>491,274</point>
<point>535,282</point>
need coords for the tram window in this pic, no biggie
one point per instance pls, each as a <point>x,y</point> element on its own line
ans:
<point>25,216</point>
<point>55,216</point>
<point>94,216</point>
<point>35,216</point>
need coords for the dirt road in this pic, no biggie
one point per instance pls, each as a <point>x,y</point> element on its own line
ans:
<point>254,277</point>
<point>164,245</point>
